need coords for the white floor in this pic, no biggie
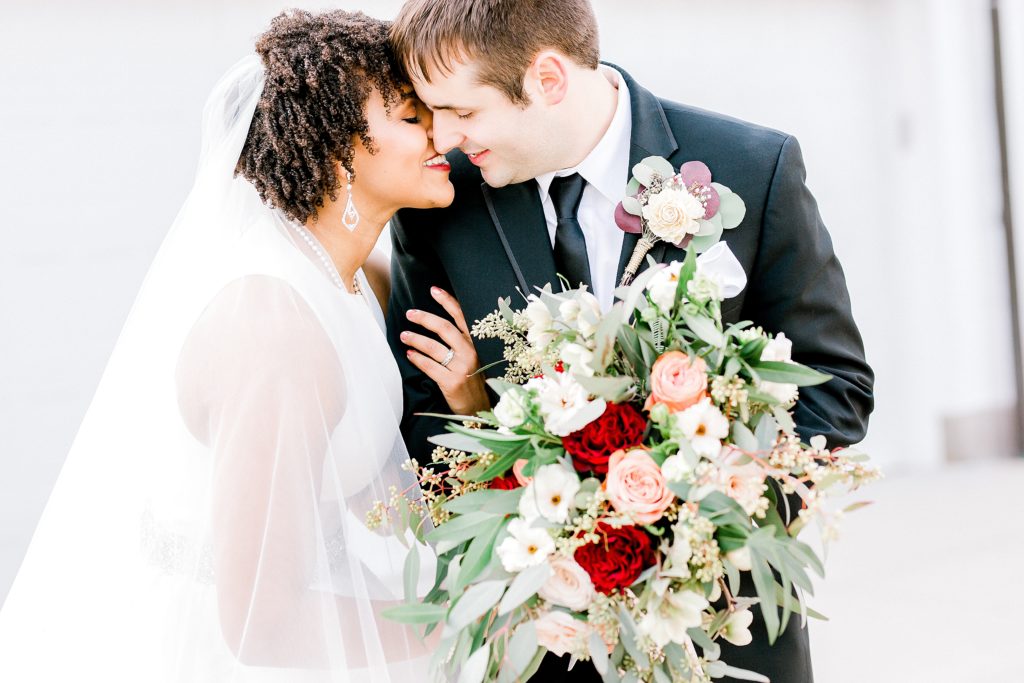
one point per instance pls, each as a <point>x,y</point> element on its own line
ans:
<point>928,583</point>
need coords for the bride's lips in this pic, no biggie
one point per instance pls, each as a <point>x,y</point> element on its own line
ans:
<point>478,157</point>
<point>438,163</point>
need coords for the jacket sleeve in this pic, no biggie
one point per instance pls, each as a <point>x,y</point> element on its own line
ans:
<point>415,268</point>
<point>797,287</point>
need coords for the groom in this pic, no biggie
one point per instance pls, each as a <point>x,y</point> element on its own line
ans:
<point>546,138</point>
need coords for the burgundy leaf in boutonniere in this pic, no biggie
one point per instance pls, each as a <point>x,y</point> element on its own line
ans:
<point>684,207</point>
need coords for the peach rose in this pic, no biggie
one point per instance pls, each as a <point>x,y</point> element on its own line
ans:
<point>678,381</point>
<point>561,634</point>
<point>517,469</point>
<point>636,486</point>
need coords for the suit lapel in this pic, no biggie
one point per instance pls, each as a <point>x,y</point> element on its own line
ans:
<point>650,135</point>
<point>519,220</point>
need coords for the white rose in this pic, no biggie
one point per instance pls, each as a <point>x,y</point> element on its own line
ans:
<point>677,612</point>
<point>569,586</point>
<point>673,213</point>
<point>566,405</point>
<point>539,323</point>
<point>675,468</point>
<point>737,627</point>
<point>704,426</point>
<point>740,558</point>
<point>579,358</point>
<point>525,547</point>
<point>550,494</point>
<point>662,287</point>
<point>560,634</point>
<point>510,411</point>
<point>779,349</point>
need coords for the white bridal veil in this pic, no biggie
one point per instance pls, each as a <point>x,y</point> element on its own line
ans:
<point>209,523</point>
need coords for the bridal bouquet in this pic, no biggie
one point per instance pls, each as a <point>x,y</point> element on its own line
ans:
<point>636,463</point>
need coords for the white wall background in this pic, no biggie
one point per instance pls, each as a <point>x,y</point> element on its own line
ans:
<point>892,101</point>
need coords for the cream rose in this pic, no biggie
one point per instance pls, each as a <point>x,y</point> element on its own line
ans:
<point>569,586</point>
<point>678,381</point>
<point>673,213</point>
<point>636,486</point>
<point>561,634</point>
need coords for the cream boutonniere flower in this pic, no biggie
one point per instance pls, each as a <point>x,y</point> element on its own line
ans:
<point>681,208</point>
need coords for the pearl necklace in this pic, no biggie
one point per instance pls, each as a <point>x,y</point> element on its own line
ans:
<point>328,264</point>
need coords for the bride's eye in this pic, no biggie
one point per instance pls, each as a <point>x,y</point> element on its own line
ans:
<point>463,117</point>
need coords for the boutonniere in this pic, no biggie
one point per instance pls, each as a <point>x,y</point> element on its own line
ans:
<point>682,208</point>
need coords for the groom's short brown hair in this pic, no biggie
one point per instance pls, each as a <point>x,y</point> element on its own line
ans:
<point>501,36</point>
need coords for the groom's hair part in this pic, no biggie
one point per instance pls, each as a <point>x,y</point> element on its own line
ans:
<point>501,36</point>
<point>320,69</point>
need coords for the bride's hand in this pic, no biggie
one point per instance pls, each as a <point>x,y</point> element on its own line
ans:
<point>465,392</point>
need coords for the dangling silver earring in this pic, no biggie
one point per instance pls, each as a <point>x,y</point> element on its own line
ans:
<point>351,216</point>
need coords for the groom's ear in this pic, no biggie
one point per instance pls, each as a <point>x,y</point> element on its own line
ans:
<point>547,77</point>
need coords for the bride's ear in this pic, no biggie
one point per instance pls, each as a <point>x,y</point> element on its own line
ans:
<point>547,77</point>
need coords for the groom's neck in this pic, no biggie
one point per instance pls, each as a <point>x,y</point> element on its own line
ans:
<point>588,112</point>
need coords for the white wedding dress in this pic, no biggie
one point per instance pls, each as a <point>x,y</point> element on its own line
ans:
<point>209,522</point>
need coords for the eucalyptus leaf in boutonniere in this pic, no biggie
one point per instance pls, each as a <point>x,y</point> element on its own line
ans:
<point>682,208</point>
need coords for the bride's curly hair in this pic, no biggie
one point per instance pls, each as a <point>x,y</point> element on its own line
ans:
<point>320,69</point>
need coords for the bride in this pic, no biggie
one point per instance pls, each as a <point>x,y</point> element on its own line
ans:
<point>209,523</point>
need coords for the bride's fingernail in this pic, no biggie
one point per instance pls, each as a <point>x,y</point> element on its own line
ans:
<point>436,291</point>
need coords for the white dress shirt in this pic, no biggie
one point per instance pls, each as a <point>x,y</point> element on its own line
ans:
<point>606,170</point>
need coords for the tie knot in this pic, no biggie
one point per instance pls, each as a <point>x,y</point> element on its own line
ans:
<point>566,193</point>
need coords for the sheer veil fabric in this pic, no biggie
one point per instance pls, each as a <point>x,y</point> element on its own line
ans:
<point>209,522</point>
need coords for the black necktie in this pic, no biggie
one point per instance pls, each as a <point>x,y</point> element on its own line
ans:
<point>570,244</point>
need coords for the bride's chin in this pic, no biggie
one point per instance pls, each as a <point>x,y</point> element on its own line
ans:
<point>436,199</point>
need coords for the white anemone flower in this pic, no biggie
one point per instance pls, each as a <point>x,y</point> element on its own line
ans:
<point>677,612</point>
<point>737,627</point>
<point>704,426</point>
<point>550,494</point>
<point>525,547</point>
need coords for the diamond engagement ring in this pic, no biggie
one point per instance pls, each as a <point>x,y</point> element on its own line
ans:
<point>448,358</point>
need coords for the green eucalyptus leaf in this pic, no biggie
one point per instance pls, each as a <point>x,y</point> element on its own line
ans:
<point>475,667</point>
<point>522,647</point>
<point>598,652</point>
<point>764,585</point>
<point>742,437</point>
<point>705,328</point>
<point>460,442</point>
<point>415,613</point>
<point>632,205</point>
<point>611,389</point>
<point>740,674</point>
<point>644,174</point>
<point>524,586</point>
<point>659,165</point>
<point>480,552</point>
<point>702,243</point>
<point>411,574</point>
<point>730,207</point>
<point>459,529</point>
<point>711,649</point>
<point>632,187</point>
<point>491,501</point>
<point>476,602</point>
<point>766,432</point>
<point>788,373</point>
<point>785,598</point>
<point>710,226</point>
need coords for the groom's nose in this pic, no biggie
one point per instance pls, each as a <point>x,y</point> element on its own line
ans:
<point>445,131</point>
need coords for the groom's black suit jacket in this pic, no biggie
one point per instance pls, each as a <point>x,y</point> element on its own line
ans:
<point>491,242</point>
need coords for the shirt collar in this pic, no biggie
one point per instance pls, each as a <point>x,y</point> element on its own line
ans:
<point>605,166</point>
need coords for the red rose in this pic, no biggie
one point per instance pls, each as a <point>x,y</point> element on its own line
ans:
<point>506,482</point>
<point>621,426</point>
<point>618,560</point>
